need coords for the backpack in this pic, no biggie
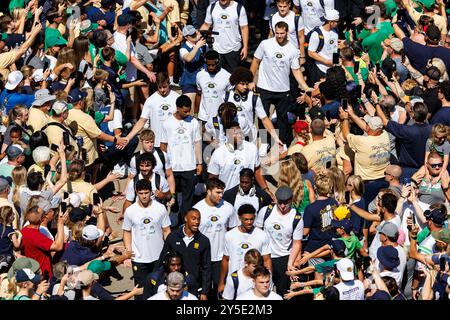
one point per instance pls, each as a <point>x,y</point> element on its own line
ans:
<point>136,179</point>
<point>160,155</point>
<point>235,278</point>
<point>254,99</point>
<point>238,9</point>
<point>69,132</point>
<point>296,22</point>
<point>299,7</point>
<point>321,39</point>
<point>295,222</point>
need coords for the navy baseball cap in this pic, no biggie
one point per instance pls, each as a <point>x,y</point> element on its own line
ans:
<point>338,247</point>
<point>76,95</point>
<point>345,224</point>
<point>388,257</point>
<point>124,19</point>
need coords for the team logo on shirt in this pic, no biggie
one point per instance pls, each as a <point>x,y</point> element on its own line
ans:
<point>146,221</point>
<point>244,246</point>
<point>237,161</point>
<point>214,218</point>
<point>196,245</point>
<point>239,109</point>
<point>224,17</point>
<point>279,55</point>
<point>276,226</point>
<point>165,107</point>
<point>309,4</point>
<point>181,130</point>
<point>331,41</point>
<point>211,85</point>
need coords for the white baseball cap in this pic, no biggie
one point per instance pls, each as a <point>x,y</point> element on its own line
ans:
<point>375,123</point>
<point>331,15</point>
<point>38,75</point>
<point>14,79</point>
<point>346,269</point>
<point>91,232</point>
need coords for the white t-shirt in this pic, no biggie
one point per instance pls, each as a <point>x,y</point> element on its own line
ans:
<point>163,296</point>
<point>246,113</point>
<point>246,199</point>
<point>215,222</point>
<point>276,64</point>
<point>213,87</point>
<point>180,136</point>
<point>350,290</point>
<point>278,228</point>
<point>330,46</point>
<point>237,244</point>
<point>313,12</point>
<point>290,20</point>
<point>250,295</point>
<point>146,226</point>
<point>227,22</point>
<point>245,283</point>
<point>397,273</point>
<point>159,168</point>
<point>120,43</point>
<point>228,164</point>
<point>116,123</point>
<point>376,243</point>
<point>163,187</point>
<point>408,209</point>
<point>157,109</point>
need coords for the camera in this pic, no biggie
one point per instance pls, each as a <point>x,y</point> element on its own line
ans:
<point>208,35</point>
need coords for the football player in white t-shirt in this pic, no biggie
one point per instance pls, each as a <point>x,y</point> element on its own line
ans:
<point>175,289</point>
<point>261,290</point>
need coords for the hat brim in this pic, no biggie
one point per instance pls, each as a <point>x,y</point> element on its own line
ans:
<point>386,262</point>
<point>347,275</point>
<point>435,235</point>
<point>40,102</point>
<point>35,267</point>
<point>11,86</point>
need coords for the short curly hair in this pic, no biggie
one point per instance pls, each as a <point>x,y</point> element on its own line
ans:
<point>241,74</point>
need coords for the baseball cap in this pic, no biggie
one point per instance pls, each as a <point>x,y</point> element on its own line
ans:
<point>38,75</point>
<point>91,232</point>
<point>42,96</point>
<point>86,277</point>
<point>76,95</point>
<point>4,183</point>
<point>433,33</point>
<point>123,20</point>
<point>375,123</point>
<point>284,193</point>
<point>442,235</point>
<point>26,274</point>
<point>75,199</point>
<point>388,257</point>
<point>87,26</point>
<point>429,4</point>
<point>14,79</point>
<point>345,267</point>
<point>59,107</point>
<point>436,215</point>
<point>77,214</point>
<point>414,99</point>
<point>433,73</point>
<point>41,154</point>
<point>23,263</point>
<point>331,15</point>
<point>189,30</point>
<point>396,44</point>
<point>338,247</point>
<point>316,113</point>
<point>13,151</point>
<point>345,224</point>
<point>54,39</point>
<point>98,266</point>
<point>379,295</point>
<point>300,125</point>
<point>388,229</point>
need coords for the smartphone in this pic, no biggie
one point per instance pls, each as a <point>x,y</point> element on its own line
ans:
<point>84,154</point>
<point>174,31</point>
<point>347,197</point>
<point>85,69</point>
<point>63,207</point>
<point>358,90</point>
<point>46,63</point>
<point>46,275</point>
<point>336,58</point>
<point>378,67</point>
<point>46,170</point>
<point>54,147</point>
<point>344,104</point>
<point>413,217</point>
<point>406,181</point>
<point>356,68</point>
<point>65,195</point>
<point>328,115</point>
<point>96,197</point>
<point>442,262</point>
<point>66,138</point>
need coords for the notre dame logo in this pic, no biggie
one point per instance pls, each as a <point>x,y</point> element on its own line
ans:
<point>309,4</point>
<point>224,17</point>
<point>239,109</point>
<point>244,246</point>
<point>279,55</point>
<point>211,85</point>
<point>237,161</point>
<point>331,41</point>
<point>276,227</point>
<point>165,107</point>
<point>181,131</point>
<point>214,218</point>
<point>146,221</point>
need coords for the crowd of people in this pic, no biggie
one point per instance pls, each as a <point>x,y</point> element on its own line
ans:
<point>252,149</point>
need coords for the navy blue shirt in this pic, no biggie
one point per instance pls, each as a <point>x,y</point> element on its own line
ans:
<point>419,54</point>
<point>333,107</point>
<point>357,221</point>
<point>317,217</point>
<point>412,141</point>
<point>6,246</point>
<point>76,255</point>
<point>95,15</point>
<point>442,116</point>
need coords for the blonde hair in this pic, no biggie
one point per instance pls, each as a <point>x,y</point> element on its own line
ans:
<point>323,183</point>
<point>19,177</point>
<point>100,74</point>
<point>67,55</point>
<point>357,183</point>
<point>5,215</point>
<point>338,178</point>
<point>438,128</point>
<point>409,84</point>
<point>27,71</point>
<point>147,135</point>
<point>89,101</point>
<point>438,63</point>
<point>16,13</point>
<point>290,176</point>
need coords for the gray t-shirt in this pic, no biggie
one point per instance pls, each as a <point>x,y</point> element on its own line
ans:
<point>143,55</point>
<point>443,149</point>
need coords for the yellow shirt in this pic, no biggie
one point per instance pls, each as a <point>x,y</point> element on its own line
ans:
<point>6,60</point>
<point>37,119</point>
<point>88,130</point>
<point>55,134</point>
<point>319,152</point>
<point>439,20</point>
<point>372,154</point>
<point>85,189</point>
<point>5,203</point>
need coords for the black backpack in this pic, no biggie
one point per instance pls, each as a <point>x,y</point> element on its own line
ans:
<point>235,278</point>
<point>238,9</point>
<point>321,39</point>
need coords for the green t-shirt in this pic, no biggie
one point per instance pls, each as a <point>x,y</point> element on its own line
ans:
<point>422,235</point>
<point>352,244</point>
<point>121,59</point>
<point>21,298</point>
<point>364,72</point>
<point>391,7</point>
<point>372,45</point>
<point>325,267</point>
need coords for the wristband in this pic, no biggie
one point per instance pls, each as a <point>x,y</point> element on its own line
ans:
<point>173,196</point>
<point>37,294</point>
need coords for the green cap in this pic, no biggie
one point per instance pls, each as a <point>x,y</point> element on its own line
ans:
<point>53,38</point>
<point>4,36</point>
<point>23,263</point>
<point>429,4</point>
<point>87,26</point>
<point>98,266</point>
<point>442,235</point>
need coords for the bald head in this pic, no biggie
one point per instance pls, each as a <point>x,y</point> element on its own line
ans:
<point>317,127</point>
<point>394,170</point>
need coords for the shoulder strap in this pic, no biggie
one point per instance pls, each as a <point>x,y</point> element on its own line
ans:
<point>162,158</point>
<point>271,23</point>
<point>296,22</point>
<point>227,96</point>
<point>322,3</point>
<point>157,180</point>
<point>69,186</point>
<point>135,180</point>
<point>254,100</point>
<point>296,220</point>
<point>267,214</point>
<point>321,39</point>
<point>239,8</point>
<point>213,5</point>
<point>60,126</point>
<point>235,278</point>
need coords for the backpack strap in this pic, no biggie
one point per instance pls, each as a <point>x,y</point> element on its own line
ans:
<point>69,187</point>
<point>267,214</point>
<point>321,39</point>
<point>161,157</point>
<point>157,180</point>
<point>296,220</point>
<point>226,98</point>
<point>322,3</point>
<point>216,126</point>
<point>135,180</point>
<point>239,9</point>
<point>254,100</point>
<point>296,22</point>
<point>235,278</point>
<point>213,5</point>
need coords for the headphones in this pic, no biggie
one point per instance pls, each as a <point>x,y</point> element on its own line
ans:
<point>242,97</point>
<point>251,193</point>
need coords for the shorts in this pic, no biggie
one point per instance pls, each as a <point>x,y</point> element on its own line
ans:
<point>188,88</point>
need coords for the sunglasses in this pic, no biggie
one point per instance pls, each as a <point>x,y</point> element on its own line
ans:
<point>435,165</point>
<point>285,202</point>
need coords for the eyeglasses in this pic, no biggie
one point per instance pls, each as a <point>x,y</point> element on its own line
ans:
<point>435,165</point>
<point>387,174</point>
